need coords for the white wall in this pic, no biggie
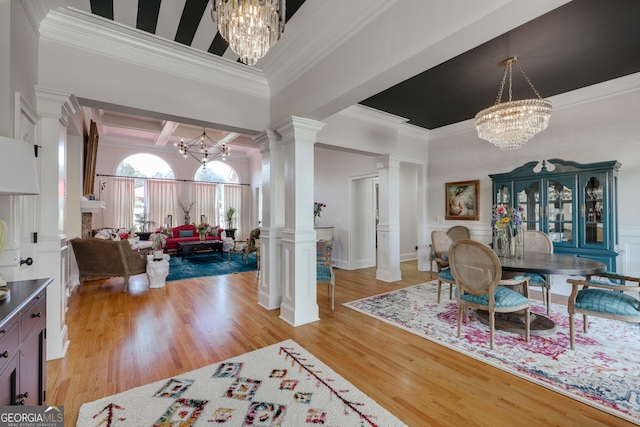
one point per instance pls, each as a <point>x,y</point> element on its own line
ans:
<point>583,131</point>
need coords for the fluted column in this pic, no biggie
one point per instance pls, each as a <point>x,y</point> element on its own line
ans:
<point>54,109</point>
<point>269,292</point>
<point>299,299</point>
<point>389,219</point>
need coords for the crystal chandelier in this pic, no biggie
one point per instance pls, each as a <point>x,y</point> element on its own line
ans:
<point>510,124</point>
<point>203,149</point>
<point>250,26</point>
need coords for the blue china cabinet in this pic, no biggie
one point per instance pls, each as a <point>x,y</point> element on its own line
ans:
<point>575,204</point>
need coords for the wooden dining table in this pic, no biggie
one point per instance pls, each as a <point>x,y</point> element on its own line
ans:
<point>541,263</point>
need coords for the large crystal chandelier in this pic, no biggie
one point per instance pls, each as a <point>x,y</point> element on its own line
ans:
<point>510,124</point>
<point>250,26</point>
<point>203,149</point>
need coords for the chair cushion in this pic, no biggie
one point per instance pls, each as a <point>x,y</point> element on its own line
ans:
<point>534,278</point>
<point>609,302</point>
<point>323,272</point>
<point>446,275</point>
<point>503,298</point>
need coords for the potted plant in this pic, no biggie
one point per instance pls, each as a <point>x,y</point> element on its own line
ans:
<point>142,225</point>
<point>158,242</point>
<point>229,217</point>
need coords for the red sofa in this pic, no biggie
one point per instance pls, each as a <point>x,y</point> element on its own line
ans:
<point>172,242</point>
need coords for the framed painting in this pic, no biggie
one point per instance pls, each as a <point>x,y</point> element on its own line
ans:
<point>462,200</point>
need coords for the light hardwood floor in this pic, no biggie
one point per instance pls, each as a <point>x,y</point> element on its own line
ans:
<point>120,341</point>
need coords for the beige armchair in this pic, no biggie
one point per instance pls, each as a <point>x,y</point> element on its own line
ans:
<point>102,259</point>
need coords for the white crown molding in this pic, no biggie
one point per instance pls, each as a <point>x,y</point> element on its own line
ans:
<point>75,28</point>
<point>576,97</point>
<point>373,116</point>
<point>598,91</point>
<point>324,31</point>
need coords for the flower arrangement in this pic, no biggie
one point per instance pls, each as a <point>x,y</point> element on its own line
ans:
<point>158,241</point>
<point>203,227</point>
<point>506,217</point>
<point>506,223</point>
<point>317,209</point>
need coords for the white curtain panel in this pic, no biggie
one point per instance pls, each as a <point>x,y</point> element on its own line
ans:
<point>119,195</point>
<point>206,195</point>
<point>162,200</point>
<point>233,198</point>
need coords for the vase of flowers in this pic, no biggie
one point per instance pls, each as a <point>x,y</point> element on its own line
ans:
<point>202,229</point>
<point>506,225</point>
<point>158,241</point>
<point>317,209</point>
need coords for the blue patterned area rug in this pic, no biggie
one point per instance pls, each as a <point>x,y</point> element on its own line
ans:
<point>208,264</point>
<point>282,385</point>
<point>603,371</point>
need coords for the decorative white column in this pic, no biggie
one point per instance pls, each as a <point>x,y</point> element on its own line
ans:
<point>389,219</point>
<point>269,292</point>
<point>54,109</point>
<point>299,299</point>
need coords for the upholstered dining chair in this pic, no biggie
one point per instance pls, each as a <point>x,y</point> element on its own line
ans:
<point>537,241</point>
<point>608,296</point>
<point>325,273</point>
<point>440,244</point>
<point>458,232</point>
<point>245,247</point>
<point>477,271</point>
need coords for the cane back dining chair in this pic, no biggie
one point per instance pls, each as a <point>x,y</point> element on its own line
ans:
<point>440,244</point>
<point>537,241</point>
<point>458,232</point>
<point>607,296</point>
<point>477,271</point>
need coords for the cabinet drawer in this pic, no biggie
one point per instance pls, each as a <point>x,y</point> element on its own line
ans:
<point>9,341</point>
<point>33,314</point>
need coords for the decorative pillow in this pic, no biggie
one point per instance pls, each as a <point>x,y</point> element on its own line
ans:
<point>103,234</point>
<point>167,231</point>
<point>214,231</point>
<point>186,233</point>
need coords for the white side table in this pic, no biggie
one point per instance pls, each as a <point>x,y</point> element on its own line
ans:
<point>157,271</point>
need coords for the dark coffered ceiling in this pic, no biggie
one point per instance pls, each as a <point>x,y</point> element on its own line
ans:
<point>579,44</point>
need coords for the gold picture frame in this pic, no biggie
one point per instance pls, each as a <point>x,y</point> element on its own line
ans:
<point>461,200</point>
<point>90,157</point>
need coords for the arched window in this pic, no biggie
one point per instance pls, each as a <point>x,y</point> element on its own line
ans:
<point>151,197</point>
<point>218,190</point>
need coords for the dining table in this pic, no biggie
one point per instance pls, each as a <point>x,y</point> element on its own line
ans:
<point>540,263</point>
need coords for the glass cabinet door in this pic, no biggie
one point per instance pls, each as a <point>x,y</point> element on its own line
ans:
<point>529,199</point>
<point>503,194</point>
<point>593,212</point>
<point>560,211</point>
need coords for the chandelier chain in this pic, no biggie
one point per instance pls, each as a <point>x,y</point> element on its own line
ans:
<point>510,124</point>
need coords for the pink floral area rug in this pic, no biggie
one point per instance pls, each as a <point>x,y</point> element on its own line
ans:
<point>282,385</point>
<point>603,371</point>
